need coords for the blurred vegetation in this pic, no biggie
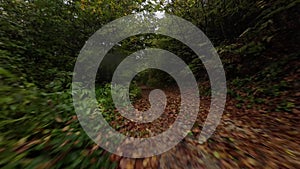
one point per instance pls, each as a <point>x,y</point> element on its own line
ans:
<point>258,42</point>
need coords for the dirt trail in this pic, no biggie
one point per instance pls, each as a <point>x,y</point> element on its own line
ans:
<point>245,138</point>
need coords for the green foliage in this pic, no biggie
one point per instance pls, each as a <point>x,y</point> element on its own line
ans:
<point>40,129</point>
<point>40,40</point>
<point>48,35</point>
<point>135,92</point>
<point>267,84</point>
<point>220,20</point>
<point>104,98</point>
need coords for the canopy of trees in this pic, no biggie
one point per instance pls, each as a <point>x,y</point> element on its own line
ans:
<point>257,40</point>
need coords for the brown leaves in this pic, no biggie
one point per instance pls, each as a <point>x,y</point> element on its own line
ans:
<point>245,138</point>
<point>127,163</point>
<point>146,163</point>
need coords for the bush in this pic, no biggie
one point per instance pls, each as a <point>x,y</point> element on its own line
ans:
<point>40,130</point>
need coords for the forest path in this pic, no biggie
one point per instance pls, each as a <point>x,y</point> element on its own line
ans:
<point>245,138</point>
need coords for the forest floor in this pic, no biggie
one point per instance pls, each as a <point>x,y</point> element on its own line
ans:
<point>245,138</point>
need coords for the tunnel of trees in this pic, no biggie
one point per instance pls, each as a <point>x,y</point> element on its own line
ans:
<point>258,44</point>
